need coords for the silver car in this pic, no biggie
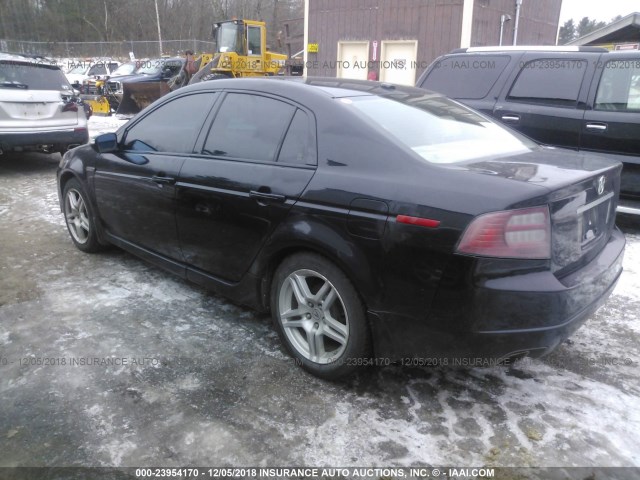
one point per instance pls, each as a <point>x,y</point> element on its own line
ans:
<point>38,108</point>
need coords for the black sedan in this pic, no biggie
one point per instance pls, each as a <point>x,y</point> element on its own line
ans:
<point>376,222</point>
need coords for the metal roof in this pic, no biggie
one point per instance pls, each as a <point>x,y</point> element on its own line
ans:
<point>627,29</point>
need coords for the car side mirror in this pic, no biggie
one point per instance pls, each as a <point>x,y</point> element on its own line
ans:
<point>107,142</point>
<point>167,73</point>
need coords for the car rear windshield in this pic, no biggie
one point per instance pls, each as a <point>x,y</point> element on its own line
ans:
<point>438,129</point>
<point>31,77</point>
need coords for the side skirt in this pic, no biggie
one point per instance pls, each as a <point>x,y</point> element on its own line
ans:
<point>246,292</point>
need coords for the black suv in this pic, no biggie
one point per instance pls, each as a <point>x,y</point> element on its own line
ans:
<point>584,98</point>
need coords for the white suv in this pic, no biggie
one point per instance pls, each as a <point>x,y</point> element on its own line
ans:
<point>86,70</point>
<point>38,107</point>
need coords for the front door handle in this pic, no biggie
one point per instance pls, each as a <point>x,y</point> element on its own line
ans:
<point>600,127</point>
<point>160,180</point>
<point>265,197</point>
<point>511,118</point>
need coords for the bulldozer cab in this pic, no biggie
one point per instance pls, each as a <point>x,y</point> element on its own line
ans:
<point>243,37</point>
<point>240,51</point>
<point>229,37</point>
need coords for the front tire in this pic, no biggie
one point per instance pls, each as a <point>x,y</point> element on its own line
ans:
<point>78,215</point>
<point>319,316</point>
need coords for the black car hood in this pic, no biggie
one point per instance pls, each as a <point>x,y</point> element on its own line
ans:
<point>138,78</point>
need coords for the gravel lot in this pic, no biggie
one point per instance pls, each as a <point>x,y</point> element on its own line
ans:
<point>195,380</point>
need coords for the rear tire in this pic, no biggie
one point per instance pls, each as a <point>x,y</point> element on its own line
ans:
<point>79,217</point>
<point>319,316</point>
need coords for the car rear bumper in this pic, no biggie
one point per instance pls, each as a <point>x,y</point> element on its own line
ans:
<point>630,180</point>
<point>70,136</point>
<point>528,314</point>
<point>629,206</point>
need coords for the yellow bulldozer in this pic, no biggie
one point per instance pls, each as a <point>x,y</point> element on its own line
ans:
<point>240,51</point>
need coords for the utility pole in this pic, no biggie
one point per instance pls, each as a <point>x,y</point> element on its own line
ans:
<point>503,20</point>
<point>158,20</point>
<point>515,27</point>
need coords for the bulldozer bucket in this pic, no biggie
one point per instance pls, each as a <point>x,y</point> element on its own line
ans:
<point>136,96</point>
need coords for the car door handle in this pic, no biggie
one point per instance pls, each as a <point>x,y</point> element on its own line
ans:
<point>601,127</point>
<point>163,180</point>
<point>511,118</point>
<point>266,197</point>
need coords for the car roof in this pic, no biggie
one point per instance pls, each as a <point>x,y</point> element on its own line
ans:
<point>33,60</point>
<point>321,86</point>
<point>530,48</point>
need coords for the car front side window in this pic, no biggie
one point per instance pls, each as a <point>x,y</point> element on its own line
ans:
<point>172,127</point>
<point>619,87</point>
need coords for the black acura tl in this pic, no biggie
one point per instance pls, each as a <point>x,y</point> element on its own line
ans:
<point>374,221</point>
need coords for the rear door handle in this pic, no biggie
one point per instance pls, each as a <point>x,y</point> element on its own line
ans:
<point>163,180</point>
<point>264,197</point>
<point>601,127</point>
<point>511,118</point>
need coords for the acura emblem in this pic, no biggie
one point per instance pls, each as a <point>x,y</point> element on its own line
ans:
<point>601,182</point>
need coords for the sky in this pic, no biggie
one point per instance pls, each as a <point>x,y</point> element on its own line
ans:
<point>601,10</point>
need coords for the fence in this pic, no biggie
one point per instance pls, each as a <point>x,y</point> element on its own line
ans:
<point>140,48</point>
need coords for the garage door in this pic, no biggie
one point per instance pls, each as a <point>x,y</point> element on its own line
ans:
<point>398,62</point>
<point>352,60</point>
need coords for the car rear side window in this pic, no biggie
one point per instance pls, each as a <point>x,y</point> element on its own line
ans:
<point>619,87</point>
<point>249,127</point>
<point>465,77</point>
<point>550,81</point>
<point>298,146</point>
<point>173,127</point>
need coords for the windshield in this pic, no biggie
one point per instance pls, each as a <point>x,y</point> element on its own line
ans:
<point>150,67</point>
<point>438,129</point>
<point>33,77</point>
<point>125,69</point>
<point>227,37</point>
<point>79,70</point>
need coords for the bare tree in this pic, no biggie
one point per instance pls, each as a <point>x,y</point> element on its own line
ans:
<point>60,21</point>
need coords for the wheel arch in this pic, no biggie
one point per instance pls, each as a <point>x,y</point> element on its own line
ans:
<point>343,253</point>
<point>72,174</point>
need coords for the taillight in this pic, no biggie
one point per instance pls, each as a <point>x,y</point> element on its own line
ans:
<point>524,233</point>
<point>70,107</point>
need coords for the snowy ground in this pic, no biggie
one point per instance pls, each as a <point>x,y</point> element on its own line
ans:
<point>207,383</point>
<point>99,125</point>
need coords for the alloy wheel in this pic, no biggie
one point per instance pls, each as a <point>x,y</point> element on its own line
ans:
<point>313,316</point>
<point>77,216</point>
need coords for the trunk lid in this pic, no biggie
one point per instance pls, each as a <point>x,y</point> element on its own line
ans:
<point>27,109</point>
<point>583,191</point>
